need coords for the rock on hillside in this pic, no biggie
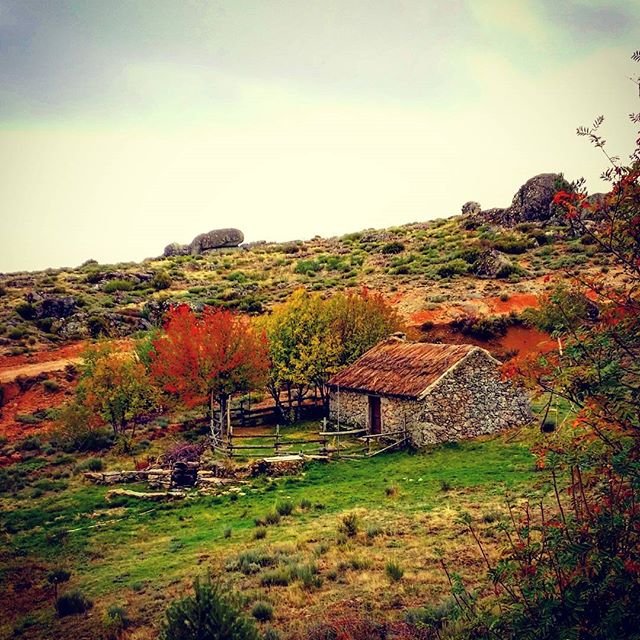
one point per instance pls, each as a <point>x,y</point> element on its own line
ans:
<point>216,239</point>
<point>533,202</point>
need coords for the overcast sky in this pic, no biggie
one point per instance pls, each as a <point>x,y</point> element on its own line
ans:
<point>129,124</point>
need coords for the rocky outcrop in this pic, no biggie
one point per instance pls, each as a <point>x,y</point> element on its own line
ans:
<point>176,249</point>
<point>471,208</point>
<point>533,202</point>
<point>216,239</point>
<point>493,264</point>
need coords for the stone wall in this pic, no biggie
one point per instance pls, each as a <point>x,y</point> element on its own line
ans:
<point>353,409</point>
<point>469,401</point>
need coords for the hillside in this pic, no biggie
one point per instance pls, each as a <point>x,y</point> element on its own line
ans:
<point>433,271</point>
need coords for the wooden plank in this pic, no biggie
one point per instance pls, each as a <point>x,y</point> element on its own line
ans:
<point>342,433</point>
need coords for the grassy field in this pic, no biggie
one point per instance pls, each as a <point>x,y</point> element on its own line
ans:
<point>140,555</point>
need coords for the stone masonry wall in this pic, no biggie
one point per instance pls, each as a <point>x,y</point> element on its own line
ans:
<point>470,401</point>
<point>354,410</point>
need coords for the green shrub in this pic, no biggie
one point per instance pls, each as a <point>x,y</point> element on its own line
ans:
<point>72,603</point>
<point>260,533</point>
<point>285,508</point>
<point>392,248</point>
<point>161,280</point>
<point>511,244</point>
<point>307,267</point>
<point>90,464</point>
<point>262,611</point>
<point>32,443</point>
<point>51,386</point>
<point>452,268</point>
<point>118,285</point>
<point>305,504</point>
<point>114,622</point>
<point>273,517</point>
<point>394,571</point>
<point>279,577</point>
<point>209,613</point>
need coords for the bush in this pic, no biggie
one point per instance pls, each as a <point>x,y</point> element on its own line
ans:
<point>26,310</point>
<point>114,621</point>
<point>72,603</point>
<point>260,533</point>
<point>279,577</point>
<point>74,432</point>
<point>394,571</point>
<point>51,386</point>
<point>392,247</point>
<point>262,611</point>
<point>118,285</point>
<point>209,613</point>
<point>273,517</point>
<point>510,244</point>
<point>350,524</point>
<point>285,508</point>
<point>90,464</point>
<point>452,268</point>
<point>161,280</point>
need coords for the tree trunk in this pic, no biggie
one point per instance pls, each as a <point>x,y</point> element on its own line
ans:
<point>212,425</point>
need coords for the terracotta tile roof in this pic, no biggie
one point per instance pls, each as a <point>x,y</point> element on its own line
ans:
<point>399,368</point>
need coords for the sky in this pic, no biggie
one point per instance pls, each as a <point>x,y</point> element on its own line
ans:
<point>126,125</point>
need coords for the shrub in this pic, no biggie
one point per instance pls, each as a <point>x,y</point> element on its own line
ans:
<point>161,280</point>
<point>260,533</point>
<point>26,310</point>
<point>183,452</point>
<point>273,517</point>
<point>285,508</point>
<point>513,244</point>
<point>262,611</point>
<point>392,490</point>
<point>305,504</point>
<point>51,386</point>
<point>114,621</point>
<point>279,577</point>
<point>394,571</point>
<point>72,603</point>
<point>90,464</point>
<point>118,285</point>
<point>209,613</point>
<point>452,268</point>
<point>32,443</point>
<point>373,530</point>
<point>392,247</point>
<point>350,524</point>
<point>445,486</point>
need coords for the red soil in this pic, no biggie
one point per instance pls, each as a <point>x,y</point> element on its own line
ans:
<point>516,302</point>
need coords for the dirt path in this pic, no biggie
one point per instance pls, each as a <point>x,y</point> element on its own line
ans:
<point>31,370</point>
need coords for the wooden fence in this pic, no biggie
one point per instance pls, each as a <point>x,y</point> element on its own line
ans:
<point>348,444</point>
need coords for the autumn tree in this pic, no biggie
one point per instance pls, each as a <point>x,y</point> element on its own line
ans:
<point>208,357</point>
<point>311,338</point>
<point>116,386</point>
<point>572,569</point>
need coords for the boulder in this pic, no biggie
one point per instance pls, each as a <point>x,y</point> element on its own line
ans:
<point>533,202</point>
<point>216,239</point>
<point>493,264</point>
<point>58,307</point>
<point>471,208</point>
<point>176,249</point>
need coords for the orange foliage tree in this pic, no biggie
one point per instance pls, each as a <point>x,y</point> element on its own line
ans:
<point>207,358</point>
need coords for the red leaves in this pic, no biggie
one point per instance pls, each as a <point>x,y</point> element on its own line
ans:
<point>218,352</point>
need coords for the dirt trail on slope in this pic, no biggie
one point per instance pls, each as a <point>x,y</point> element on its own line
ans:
<point>32,370</point>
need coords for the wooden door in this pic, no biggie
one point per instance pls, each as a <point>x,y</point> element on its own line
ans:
<point>375,422</point>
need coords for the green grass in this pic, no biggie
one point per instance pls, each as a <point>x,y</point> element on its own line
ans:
<point>111,547</point>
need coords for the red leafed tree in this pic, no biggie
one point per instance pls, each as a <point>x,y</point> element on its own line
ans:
<point>207,358</point>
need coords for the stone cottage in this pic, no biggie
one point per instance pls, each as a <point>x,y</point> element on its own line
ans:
<point>438,392</point>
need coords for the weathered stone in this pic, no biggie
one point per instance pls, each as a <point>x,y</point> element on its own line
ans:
<point>156,496</point>
<point>471,208</point>
<point>493,264</point>
<point>468,401</point>
<point>176,249</point>
<point>216,239</point>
